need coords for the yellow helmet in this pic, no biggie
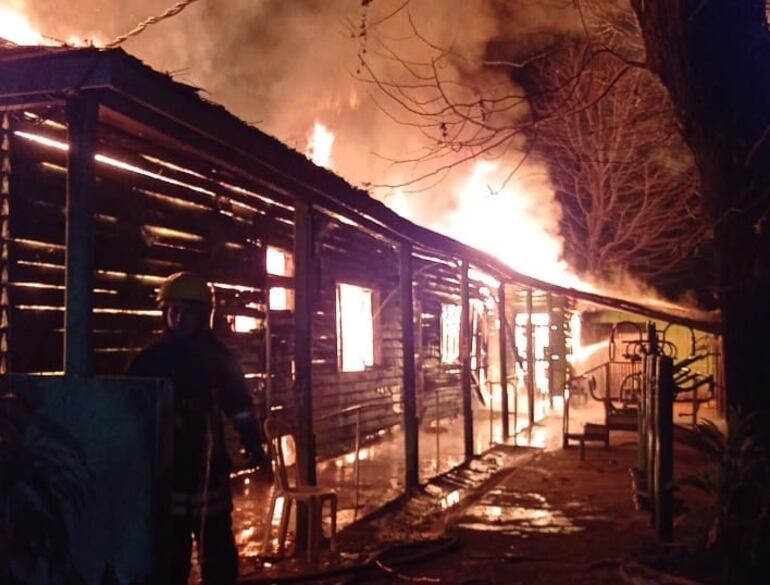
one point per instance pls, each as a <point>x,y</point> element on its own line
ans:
<point>184,286</point>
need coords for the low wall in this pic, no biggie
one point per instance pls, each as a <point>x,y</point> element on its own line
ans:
<point>123,428</point>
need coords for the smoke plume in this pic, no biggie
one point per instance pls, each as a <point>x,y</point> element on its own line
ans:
<point>284,65</point>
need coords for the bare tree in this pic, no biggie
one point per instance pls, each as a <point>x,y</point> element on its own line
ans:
<point>464,105</point>
<point>588,107</point>
<point>713,57</point>
<point>625,180</point>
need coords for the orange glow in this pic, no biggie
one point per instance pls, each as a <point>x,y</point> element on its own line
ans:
<point>512,225</point>
<point>576,328</point>
<point>398,201</point>
<point>319,146</point>
<point>540,324</point>
<point>165,232</point>
<point>16,27</point>
<point>245,534</point>
<point>276,519</point>
<point>280,299</point>
<point>450,333</point>
<point>237,287</point>
<point>355,328</point>
<point>451,499</point>
<point>113,162</point>
<point>242,323</point>
<point>279,262</point>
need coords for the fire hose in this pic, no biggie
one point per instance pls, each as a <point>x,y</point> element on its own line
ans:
<point>389,560</point>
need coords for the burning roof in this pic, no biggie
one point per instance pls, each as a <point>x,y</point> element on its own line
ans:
<point>177,115</point>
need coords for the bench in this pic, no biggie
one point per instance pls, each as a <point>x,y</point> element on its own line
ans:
<point>591,433</point>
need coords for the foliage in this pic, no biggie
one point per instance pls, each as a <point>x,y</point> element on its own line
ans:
<point>43,476</point>
<point>738,484</point>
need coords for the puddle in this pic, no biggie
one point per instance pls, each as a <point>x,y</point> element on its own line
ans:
<point>525,514</point>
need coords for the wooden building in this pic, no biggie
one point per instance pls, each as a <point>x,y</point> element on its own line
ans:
<point>114,176</point>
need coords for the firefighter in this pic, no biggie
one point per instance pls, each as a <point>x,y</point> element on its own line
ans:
<point>207,382</point>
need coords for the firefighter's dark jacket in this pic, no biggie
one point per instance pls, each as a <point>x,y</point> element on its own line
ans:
<point>207,381</point>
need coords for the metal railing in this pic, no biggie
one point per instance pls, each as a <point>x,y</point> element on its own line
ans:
<point>356,408</point>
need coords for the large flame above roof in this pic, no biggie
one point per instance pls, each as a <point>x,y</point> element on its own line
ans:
<point>512,218</point>
<point>16,27</point>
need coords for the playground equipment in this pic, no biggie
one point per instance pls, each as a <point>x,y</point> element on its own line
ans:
<point>637,389</point>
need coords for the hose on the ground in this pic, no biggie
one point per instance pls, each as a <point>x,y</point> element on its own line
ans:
<point>388,560</point>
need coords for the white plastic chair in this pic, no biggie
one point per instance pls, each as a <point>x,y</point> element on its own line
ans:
<point>293,491</point>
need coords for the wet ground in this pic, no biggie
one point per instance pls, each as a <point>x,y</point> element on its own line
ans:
<point>550,519</point>
<point>524,513</point>
<point>380,476</point>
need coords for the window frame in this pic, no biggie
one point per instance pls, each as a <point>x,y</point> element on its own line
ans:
<point>281,279</point>
<point>376,344</point>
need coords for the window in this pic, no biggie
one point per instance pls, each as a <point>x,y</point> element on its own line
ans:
<point>242,323</point>
<point>450,333</point>
<point>355,328</point>
<point>281,298</point>
<point>280,263</point>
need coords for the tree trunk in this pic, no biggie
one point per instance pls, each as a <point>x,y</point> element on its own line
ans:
<point>713,56</point>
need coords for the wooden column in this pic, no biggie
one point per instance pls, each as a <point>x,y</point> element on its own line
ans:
<point>268,358</point>
<point>549,355</point>
<point>82,112</point>
<point>5,236</point>
<point>531,362</point>
<point>465,360</point>
<point>408,372</point>
<point>503,360</point>
<point>304,294</point>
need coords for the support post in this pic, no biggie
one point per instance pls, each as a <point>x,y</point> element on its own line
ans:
<point>664,447</point>
<point>650,438</point>
<point>465,360</point>
<point>303,315</point>
<point>549,355</point>
<point>515,348</point>
<point>82,110</point>
<point>503,361</point>
<point>408,372</point>
<point>268,361</point>
<point>531,365</point>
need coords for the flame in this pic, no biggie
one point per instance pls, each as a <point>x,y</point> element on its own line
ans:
<point>511,223</point>
<point>507,224</point>
<point>113,162</point>
<point>398,201</point>
<point>319,146</point>
<point>355,327</point>
<point>16,27</point>
<point>576,329</point>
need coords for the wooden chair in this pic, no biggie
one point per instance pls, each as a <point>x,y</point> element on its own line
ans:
<point>293,491</point>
